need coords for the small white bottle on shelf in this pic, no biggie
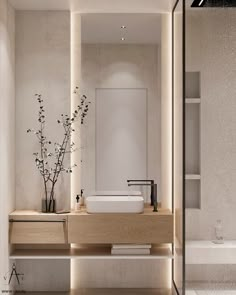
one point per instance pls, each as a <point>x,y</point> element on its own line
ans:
<point>219,237</point>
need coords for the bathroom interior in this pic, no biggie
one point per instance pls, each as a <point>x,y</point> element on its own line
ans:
<point>149,206</point>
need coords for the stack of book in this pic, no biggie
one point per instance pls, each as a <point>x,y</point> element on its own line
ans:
<point>130,249</point>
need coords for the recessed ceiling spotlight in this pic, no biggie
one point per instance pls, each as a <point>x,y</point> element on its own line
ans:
<point>123,27</point>
<point>122,39</point>
<point>200,3</point>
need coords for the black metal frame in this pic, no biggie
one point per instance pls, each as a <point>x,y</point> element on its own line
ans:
<point>183,118</point>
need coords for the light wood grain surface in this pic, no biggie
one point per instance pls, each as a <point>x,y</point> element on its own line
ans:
<point>83,228</point>
<point>40,231</point>
<point>149,227</point>
<point>37,232</point>
<point>28,214</point>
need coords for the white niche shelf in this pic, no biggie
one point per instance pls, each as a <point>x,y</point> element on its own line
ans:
<point>192,140</point>
<point>207,252</point>
<point>192,176</point>
<point>192,100</point>
<point>192,85</point>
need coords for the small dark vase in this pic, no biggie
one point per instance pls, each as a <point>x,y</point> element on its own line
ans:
<point>48,206</point>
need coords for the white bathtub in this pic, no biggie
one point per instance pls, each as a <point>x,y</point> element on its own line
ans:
<point>115,204</point>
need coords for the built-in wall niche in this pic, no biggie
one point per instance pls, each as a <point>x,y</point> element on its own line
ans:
<point>192,85</point>
<point>192,193</point>
<point>192,140</point>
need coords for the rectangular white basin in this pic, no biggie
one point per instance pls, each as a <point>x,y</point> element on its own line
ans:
<point>116,193</point>
<point>115,204</point>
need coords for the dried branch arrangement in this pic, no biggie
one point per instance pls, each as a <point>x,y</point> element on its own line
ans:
<point>50,157</point>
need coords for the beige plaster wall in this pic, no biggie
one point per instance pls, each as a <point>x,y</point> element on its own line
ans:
<point>7,131</point>
<point>42,66</point>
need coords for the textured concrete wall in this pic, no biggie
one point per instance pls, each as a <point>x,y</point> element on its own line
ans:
<point>211,43</point>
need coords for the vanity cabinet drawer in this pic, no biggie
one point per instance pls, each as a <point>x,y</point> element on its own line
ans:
<point>120,228</point>
<point>38,231</point>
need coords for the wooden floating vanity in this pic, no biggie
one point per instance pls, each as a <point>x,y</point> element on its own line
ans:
<point>33,230</point>
<point>32,227</point>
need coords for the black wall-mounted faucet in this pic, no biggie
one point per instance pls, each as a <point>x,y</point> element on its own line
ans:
<point>146,182</point>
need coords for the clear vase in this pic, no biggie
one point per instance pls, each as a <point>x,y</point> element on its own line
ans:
<point>49,203</point>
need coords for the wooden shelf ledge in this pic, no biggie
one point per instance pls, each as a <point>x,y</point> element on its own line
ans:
<point>32,227</point>
<point>86,253</point>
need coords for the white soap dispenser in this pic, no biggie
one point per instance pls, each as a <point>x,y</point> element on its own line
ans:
<point>77,204</point>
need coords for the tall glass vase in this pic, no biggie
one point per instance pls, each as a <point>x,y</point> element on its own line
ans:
<point>49,202</point>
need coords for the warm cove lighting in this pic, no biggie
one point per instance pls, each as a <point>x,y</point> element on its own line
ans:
<point>75,82</point>
<point>75,157</point>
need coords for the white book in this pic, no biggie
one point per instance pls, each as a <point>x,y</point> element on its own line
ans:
<point>131,246</point>
<point>130,251</point>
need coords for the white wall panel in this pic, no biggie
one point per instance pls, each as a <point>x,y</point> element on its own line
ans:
<point>121,137</point>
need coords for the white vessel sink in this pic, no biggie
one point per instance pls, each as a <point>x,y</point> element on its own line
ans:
<point>116,193</point>
<point>115,204</point>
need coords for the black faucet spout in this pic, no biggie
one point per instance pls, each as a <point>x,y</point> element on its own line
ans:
<point>153,189</point>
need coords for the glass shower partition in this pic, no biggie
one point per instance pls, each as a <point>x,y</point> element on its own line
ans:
<point>204,145</point>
